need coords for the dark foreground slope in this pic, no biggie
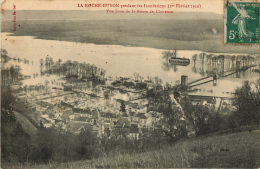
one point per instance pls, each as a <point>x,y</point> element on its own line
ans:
<point>227,151</point>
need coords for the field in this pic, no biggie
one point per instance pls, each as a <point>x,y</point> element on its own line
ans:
<point>200,34</point>
<point>234,150</point>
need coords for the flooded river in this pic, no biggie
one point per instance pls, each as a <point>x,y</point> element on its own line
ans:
<point>124,61</point>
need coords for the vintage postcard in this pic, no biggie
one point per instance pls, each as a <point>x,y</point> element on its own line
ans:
<point>130,84</point>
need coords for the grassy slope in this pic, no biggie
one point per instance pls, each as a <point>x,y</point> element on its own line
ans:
<point>26,124</point>
<point>27,114</point>
<point>196,152</point>
<point>160,34</point>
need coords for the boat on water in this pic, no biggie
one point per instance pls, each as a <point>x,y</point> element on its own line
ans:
<point>179,61</point>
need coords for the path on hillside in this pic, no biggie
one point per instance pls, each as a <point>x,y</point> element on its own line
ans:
<point>189,124</point>
<point>177,104</point>
<point>26,124</point>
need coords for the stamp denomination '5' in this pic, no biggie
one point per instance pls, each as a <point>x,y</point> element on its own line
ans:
<point>242,22</point>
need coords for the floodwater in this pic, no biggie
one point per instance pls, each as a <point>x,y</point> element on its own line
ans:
<point>122,61</point>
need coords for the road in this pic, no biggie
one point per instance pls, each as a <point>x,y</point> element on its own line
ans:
<point>26,124</point>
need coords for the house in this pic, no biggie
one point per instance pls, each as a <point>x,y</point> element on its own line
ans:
<point>82,112</point>
<point>44,107</point>
<point>45,116</point>
<point>72,117</point>
<point>134,132</point>
<point>67,87</point>
<point>141,85</point>
<point>109,116</point>
<point>123,121</point>
<point>140,108</point>
<point>89,121</point>
<point>120,131</point>
<point>45,123</point>
<point>145,120</point>
<point>132,116</point>
<point>155,116</point>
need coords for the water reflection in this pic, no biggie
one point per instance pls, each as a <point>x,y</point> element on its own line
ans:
<point>166,66</point>
<point>171,61</point>
<point>209,65</point>
<point>212,64</point>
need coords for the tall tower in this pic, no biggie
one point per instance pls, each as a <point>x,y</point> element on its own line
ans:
<point>184,80</point>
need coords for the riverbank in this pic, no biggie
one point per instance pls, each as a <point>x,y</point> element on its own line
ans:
<point>201,34</point>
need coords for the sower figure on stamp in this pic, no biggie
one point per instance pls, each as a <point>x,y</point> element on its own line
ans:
<point>241,20</point>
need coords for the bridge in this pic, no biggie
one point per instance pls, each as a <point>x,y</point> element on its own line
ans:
<point>214,78</point>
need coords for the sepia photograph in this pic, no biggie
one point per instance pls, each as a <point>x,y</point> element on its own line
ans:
<point>130,84</point>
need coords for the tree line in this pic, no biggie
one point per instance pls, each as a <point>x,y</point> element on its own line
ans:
<point>71,69</point>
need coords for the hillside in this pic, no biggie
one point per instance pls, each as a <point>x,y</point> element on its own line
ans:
<point>237,150</point>
<point>181,30</point>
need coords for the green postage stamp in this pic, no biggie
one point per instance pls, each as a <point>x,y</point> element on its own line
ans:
<point>242,22</point>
